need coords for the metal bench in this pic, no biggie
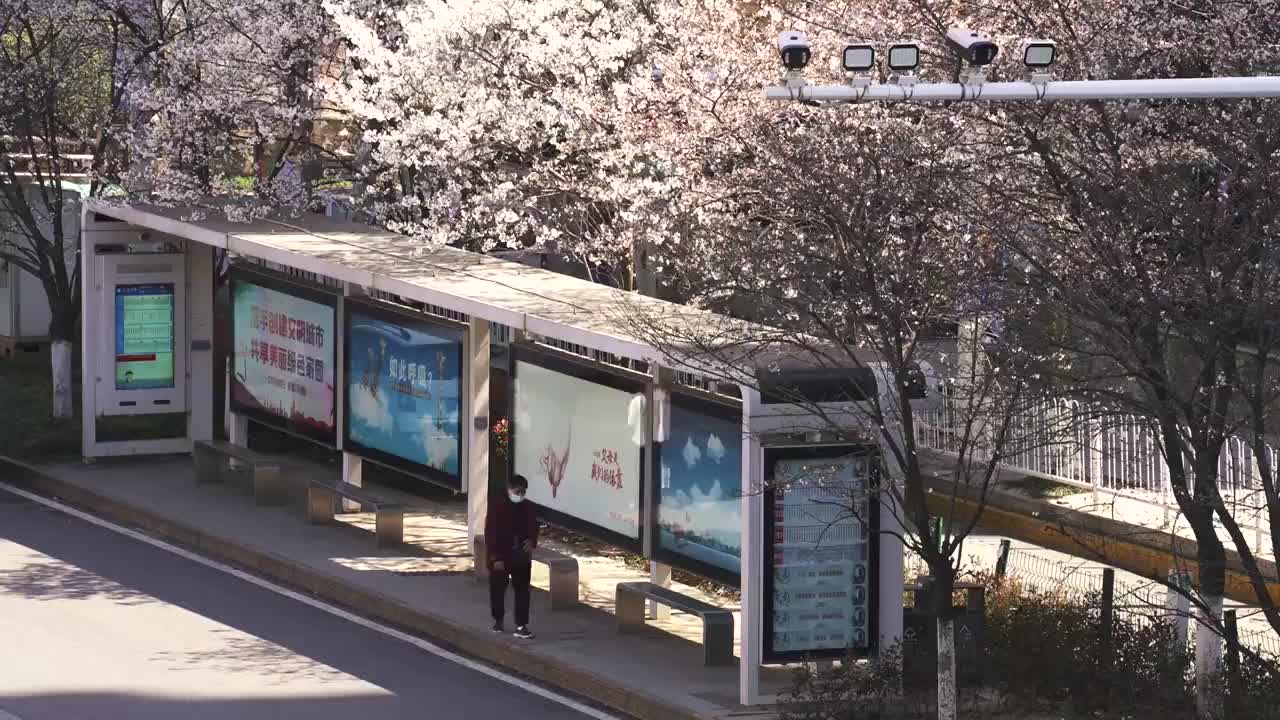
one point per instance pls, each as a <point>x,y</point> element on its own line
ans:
<point>215,459</point>
<point>562,569</point>
<point>322,497</point>
<point>717,623</point>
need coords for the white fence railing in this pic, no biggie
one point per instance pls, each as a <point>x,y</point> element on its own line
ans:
<point>1120,455</point>
<point>1139,601</point>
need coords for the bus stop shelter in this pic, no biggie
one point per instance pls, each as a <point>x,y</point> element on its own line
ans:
<point>496,300</point>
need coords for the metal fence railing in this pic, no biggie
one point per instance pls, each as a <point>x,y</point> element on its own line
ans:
<point>1139,601</point>
<point>1069,442</point>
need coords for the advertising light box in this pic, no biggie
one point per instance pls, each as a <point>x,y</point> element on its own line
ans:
<point>821,570</point>
<point>283,366</point>
<point>578,436</point>
<point>144,330</point>
<point>700,489</point>
<point>404,376</point>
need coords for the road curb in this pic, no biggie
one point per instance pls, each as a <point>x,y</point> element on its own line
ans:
<point>479,644</point>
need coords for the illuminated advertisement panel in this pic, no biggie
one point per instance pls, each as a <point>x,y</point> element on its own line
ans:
<point>404,382</point>
<point>283,362</point>
<point>578,435</point>
<point>699,524</point>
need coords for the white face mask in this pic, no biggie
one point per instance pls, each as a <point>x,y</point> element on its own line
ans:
<point>515,498</point>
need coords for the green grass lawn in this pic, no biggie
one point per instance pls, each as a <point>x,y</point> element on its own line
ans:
<point>29,432</point>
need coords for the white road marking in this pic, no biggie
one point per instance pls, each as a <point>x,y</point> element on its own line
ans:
<point>313,602</point>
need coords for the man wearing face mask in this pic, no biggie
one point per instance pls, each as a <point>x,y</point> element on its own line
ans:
<point>510,535</point>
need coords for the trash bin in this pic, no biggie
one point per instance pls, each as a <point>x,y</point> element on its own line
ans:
<point>920,637</point>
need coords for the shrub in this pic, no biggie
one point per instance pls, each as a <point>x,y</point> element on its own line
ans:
<point>1044,656</point>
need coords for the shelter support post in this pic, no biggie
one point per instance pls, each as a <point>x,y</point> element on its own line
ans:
<point>237,425</point>
<point>476,469</point>
<point>200,272</point>
<point>659,574</point>
<point>660,424</point>
<point>352,465</point>
<point>752,553</point>
<point>892,573</point>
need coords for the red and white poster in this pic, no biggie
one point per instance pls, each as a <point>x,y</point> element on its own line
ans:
<point>579,445</point>
<point>283,366</point>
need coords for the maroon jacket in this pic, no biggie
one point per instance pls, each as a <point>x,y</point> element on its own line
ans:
<point>506,525</point>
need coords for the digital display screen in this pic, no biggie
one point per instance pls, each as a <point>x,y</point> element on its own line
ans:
<point>404,381</point>
<point>283,362</point>
<point>144,325</point>
<point>579,443</point>
<point>700,491</point>
<point>821,562</point>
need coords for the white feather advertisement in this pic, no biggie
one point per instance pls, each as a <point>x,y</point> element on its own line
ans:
<point>579,445</point>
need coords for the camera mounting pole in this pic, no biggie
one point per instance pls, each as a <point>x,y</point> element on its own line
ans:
<point>1069,90</point>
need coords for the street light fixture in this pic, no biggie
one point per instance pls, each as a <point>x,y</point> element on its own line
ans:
<point>1038,56</point>
<point>903,58</point>
<point>859,59</point>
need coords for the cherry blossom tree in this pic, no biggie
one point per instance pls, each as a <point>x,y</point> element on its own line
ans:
<point>1155,225</point>
<point>856,238</point>
<point>494,123</point>
<point>163,101</point>
<point>65,67</point>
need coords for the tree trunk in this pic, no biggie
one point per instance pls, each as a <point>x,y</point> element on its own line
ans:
<point>947,700</point>
<point>61,359</point>
<point>1209,687</point>
<point>942,583</point>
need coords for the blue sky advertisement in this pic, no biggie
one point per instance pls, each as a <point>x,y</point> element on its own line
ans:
<point>699,506</point>
<point>403,390</point>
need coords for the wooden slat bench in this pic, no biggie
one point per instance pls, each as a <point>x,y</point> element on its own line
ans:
<point>717,623</point>
<point>214,461</point>
<point>562,569</point>
<point>322,497</point>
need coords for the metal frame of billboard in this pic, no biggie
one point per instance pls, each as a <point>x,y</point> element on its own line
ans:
<point>774,453</point>
<point>312,293</point>
<point>396,314</point>
<point>582,369</point>
<point>701,403</point>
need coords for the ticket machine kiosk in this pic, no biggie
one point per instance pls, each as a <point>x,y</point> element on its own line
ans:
<point>148,326</point>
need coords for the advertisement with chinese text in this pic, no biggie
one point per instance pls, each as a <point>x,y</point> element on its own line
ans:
<point>403,388</point>
<point>699,501</point>
<point>579,444</point>
<point>820,580</point>
<point>283,362</point>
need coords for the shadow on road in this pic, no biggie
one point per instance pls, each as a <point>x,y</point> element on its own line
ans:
<point>276,638</point>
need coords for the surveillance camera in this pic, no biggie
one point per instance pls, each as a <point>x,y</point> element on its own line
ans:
<point>794,47</point>
<point>972,46</point>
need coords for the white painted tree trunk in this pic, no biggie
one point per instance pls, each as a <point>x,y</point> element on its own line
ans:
<point>1209,686</point>
<point>60,359</point>
<point>947,701</point>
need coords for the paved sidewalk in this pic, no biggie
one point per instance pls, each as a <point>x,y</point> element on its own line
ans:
<point>426,586</point>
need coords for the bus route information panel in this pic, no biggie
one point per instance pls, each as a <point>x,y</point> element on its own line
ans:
<point>820,585</point>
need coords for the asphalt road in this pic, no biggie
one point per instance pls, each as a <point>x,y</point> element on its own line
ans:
<point>96,625</point>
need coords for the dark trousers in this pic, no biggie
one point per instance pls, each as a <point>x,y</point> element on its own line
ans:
<point>518,575</point>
